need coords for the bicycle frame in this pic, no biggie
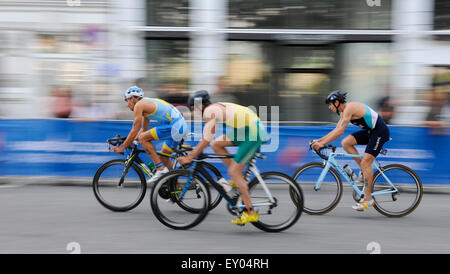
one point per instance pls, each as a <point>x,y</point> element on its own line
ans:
<point>133,157</point>
<point>252,169</point>
<point>331,162</point>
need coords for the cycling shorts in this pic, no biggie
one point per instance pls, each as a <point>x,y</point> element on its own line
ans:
<point>171,133</point>
<point>249,139</point>
<point>374,138</point>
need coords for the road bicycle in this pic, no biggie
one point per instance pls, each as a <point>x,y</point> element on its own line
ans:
<point>276,197</point>
<point>397,189</point>
<point>120,184</point>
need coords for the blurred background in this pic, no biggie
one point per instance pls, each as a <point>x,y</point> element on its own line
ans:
<point>74,58</point>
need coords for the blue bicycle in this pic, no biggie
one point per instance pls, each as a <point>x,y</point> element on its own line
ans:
<point>397,189</point>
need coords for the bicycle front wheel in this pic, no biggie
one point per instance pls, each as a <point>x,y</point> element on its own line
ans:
<point>113,195</point>
<point>215,195</point>
<point>326,198</point>
<point>174,193</point>
<point>286,207</point>
<point>405,190</point>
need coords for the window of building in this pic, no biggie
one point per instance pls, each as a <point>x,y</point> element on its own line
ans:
<point>305,14</point>
<point>169,13</point>
<point>441,14</point>
<point>168,70</point>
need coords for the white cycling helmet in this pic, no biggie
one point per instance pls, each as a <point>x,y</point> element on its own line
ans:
<point>133,91</point>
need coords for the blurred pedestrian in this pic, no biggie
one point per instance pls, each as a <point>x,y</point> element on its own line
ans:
<point>142,83</point>
<point>386,109</point>
<point>222,94</point>
<point>61,103</point>
<point>437,101</point>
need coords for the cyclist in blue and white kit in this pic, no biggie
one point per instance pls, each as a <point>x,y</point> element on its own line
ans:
<point>374,134</point>
<point>172,127</point>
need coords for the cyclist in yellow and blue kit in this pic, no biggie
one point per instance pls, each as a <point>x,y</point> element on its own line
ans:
<point>172,127</point>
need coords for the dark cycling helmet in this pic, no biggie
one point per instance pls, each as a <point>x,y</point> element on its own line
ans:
<point>201,96</point>
<point>338,95</point>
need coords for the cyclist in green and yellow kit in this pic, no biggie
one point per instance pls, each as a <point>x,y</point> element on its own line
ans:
<point>244,129</point>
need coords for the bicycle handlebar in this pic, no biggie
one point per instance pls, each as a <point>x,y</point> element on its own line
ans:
<point>319,152</point>
<point>119,140</point>
<point>116,141</point>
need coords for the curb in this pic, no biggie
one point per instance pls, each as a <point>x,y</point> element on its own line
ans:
<point>87,181</point>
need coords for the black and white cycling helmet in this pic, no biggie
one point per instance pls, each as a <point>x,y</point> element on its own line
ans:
<point>133,91</point>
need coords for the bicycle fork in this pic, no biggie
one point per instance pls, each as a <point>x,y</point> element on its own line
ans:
<point>322,176</point>
<point>128,163</point>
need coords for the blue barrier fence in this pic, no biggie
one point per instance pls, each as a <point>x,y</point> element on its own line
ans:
<point>45,147</point>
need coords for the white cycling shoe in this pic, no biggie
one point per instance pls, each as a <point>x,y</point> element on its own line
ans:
<point>363,205</point>
<point>158,174</point>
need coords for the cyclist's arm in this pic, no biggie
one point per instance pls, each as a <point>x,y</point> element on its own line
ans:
<point>329,133</point>
<point>340,127</point>
<point>208,134</point>
<point>210,115</point>
<point>136,125</point>
<point>144,128</point>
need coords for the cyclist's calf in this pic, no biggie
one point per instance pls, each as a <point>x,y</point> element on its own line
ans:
<point>235,172</point>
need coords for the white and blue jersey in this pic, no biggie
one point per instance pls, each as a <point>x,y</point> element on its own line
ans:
<point>374,131</point>
<point>368,121</point>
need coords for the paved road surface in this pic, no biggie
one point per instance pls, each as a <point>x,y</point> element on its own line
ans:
<point>45,219</point>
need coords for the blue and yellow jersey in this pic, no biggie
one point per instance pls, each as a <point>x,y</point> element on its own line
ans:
<point>164,112</point>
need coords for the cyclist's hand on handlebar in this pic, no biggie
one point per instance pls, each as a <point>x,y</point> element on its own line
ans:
<point>118,150</point>
<point>317,145</point>
<point>184,159</point>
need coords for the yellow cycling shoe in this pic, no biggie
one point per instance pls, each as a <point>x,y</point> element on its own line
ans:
<point>363,205</point>
<point>246,218</point>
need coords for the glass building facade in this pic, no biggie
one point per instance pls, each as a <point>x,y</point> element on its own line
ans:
<point>270,67</point>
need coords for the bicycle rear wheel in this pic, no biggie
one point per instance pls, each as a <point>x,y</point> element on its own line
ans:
<point>176,191</point>
<point>114,197</point>
<point>288,206</point>
<point>406,199</point>
<point>326,198</point>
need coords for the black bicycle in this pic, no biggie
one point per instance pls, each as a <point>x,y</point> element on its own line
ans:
<point>277,198</point>
<point>120,184</point>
